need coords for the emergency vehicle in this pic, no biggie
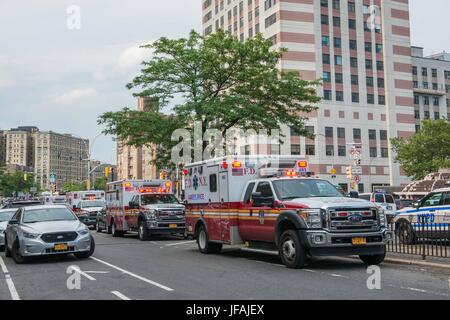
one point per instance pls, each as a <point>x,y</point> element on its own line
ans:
<point>429,218</point>
<point>87,205</point>
<point>146,206</point>
<point>269,202</point>
<point>54,199</point>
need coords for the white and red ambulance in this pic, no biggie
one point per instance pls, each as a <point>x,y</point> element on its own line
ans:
<point>269,202</point>
<point>87,205</point>
<point>146,206</point>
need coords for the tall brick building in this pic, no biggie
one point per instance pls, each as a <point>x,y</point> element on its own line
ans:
<point>362,50</point>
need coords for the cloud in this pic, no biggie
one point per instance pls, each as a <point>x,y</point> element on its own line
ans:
<point>75,95</point>
<point>133,56</point>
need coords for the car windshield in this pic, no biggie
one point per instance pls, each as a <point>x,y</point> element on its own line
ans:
<point>23,204</point>
<point>6,215</point>
<point>158,199</point>
<point>92,204</point>
<point>48,214</point>
<point>304,188</point>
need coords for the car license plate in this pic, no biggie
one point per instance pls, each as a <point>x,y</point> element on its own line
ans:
<point>389,208</point>
<point>61,247</point>
<point>173,226</point>
<point>359,241</point>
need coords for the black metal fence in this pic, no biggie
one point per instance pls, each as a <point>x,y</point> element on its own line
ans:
<point>421,238</point>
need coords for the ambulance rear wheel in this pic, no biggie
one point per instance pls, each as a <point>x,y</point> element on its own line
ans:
<point>115,233</point>
<point>292,253</point>
<point>204,245</point>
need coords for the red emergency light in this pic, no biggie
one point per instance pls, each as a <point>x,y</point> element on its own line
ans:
<point>225,165</point>
<point>185,172</point>
<point>168,184</point>
<point>291,173</point>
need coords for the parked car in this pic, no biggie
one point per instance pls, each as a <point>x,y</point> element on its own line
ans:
<point>5,216</point>
<point>47,230</point>
<point>384,200</point>
<point>21,203</point>
<point>404,203</point>
<point>427,218</point>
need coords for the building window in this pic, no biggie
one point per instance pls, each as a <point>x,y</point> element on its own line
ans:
<point>341,133</point>
<point>372,134</point>
<point>295,150</point>
<point>354,79</point>
<point>327,95</point>
<point>414,70</point>
<point>353,44</point>
<point>355,97</point>
<point>326,76</point>
<point>369,64</point>
<point>324,19</point>
<point>356,134</point>
<point>373,152</point>
<point>338,77</point>
<point>338,60</point>
<point>383,135</point>
<point>352,24</point>
<point>326,58</point>
<point>271,20</point>
<point>342,151</point>
<point>339,96</point>
<point>369,81</point>
<point>337,42</point>
<point>329,151</point>
<point>381,100</point>
<point>368,46</point>
<point>325,41</point>
<point>337,22</point>
<point>329,132</point>
<point>351,6</point>
<point>384,152</point>
<point>354,62</point>
<point>371,99</point>
<point>310,150</point>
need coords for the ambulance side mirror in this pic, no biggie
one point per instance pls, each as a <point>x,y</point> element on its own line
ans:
<point>133,205</point>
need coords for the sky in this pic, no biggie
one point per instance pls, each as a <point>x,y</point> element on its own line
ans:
<point>60,73</point>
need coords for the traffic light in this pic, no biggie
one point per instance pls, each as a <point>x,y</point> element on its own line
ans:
<point>349,172</point>
<point>53,188</point>
<point>107,171</point>
<point>358,162</point>
<point>25,177</point>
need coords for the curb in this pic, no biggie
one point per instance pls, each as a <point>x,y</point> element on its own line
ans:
<point>411,262</point>
<point>417,263</point>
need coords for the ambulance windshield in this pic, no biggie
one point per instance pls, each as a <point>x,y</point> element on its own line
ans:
<point>147,199</point>
<point>302,188</point>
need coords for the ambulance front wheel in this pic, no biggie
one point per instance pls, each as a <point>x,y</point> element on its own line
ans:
<point>292,253</point>
<point>143,233</point>
<point>204,245</point>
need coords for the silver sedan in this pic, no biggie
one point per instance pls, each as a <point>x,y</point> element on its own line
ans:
<point>5,216</point>
<point>46,230</point>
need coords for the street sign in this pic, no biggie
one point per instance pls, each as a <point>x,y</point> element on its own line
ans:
<point>357,170</point>
<point>52,178</point>
<point>333,171</point>
<point>357,178</point>
<point>33,189</point>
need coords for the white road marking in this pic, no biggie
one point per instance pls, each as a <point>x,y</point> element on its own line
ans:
<point>156,284</point>
<point>309,270</point>
<point>9,281</point>
<point>84,274</point>
<point>414,289</point>
<point>337,275</point>
<point>179,243</point>
<point>96,272</point>
<point>120,295</point>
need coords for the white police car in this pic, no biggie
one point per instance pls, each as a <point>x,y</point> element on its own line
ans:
<point>428,218</point>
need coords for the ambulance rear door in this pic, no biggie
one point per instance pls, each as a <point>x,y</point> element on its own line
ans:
<point>226,209</point>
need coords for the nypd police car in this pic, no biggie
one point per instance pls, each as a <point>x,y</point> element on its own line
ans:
<point>428,218</point>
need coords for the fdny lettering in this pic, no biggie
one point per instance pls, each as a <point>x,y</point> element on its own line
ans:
<point>246,310</point>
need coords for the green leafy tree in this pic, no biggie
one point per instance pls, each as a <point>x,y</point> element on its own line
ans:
<point>73,186</point>
<point>12,184</point>
<point>100,183</point>
<point>425,152</point>
<point>223,82</point>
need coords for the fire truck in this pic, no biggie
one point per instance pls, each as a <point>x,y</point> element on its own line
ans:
<point>146,206</point>
<point>269,202</point>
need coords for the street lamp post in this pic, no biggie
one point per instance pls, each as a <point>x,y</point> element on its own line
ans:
<point>89,153</point>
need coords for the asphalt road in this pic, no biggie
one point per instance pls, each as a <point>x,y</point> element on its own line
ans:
<point>172,268</point>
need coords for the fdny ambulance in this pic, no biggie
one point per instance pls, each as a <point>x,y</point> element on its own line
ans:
<point>146,206</point>
<point>268,202</point>
<point>87,205</point>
